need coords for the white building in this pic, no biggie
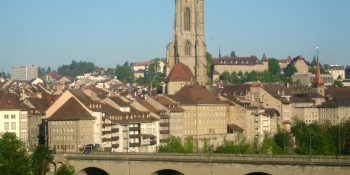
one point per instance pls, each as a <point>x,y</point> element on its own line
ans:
<point>336,70</point>
<point>24,72</point>
<point>13,117</point>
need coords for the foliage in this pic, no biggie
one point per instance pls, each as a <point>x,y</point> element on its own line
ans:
<point>339,77</point>
<point>173,145</point>
<point>123,73</point>
<point>290,70</point>
<point>153,69</point>
<point>322,71</point>
<point>66,169</point>
<point>140,80</point>
<point>338,83</point>
<point>76,68</point>
<point>209,59</point>
<point>314,62</point>
<point>41,159</point>
<point>189,145</point>
<point>345,137</point>
<point>240,145</point>
<point>274,66</point>
<point>233,54</point>
<point>300,92</point>
<point>13,156</point>
<point>284,139</point>
<point>4,75</point>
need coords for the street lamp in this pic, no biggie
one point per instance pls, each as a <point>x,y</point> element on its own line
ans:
<point>239,143</point>
<point>339,145</point>
<point>310,145</point>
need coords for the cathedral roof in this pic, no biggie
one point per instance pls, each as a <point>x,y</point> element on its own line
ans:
<point>264,59</point>
<point>180,72</point>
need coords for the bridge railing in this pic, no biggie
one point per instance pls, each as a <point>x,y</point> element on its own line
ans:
<point>216,158</point>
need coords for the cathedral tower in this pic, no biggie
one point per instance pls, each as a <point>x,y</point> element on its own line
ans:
<point>188,45</point>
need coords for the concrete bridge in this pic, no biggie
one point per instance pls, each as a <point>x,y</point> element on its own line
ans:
<point>202,164</point>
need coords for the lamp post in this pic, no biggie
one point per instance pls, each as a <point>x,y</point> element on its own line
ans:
<point>239,143</point>
<point>339,145</point>
<point>310,145</point>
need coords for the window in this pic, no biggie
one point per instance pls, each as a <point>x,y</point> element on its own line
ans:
<point>6,125</point>
<point>187,16</point>
<point>187,48</point>
<point>6,116</point>
<point>13,125</point>
<point>13,116</point>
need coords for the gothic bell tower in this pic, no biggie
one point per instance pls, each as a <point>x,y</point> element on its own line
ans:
<point>188,45</point>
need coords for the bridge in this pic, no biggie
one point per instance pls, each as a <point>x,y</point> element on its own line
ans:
<point>201,164</point>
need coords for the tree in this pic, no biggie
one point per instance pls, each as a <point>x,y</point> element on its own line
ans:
<point>233,54</point>
<point>13,156</point>
<point>314,62</point>
<point>339,77</point>
<point>66,169</point>
<point>224,76</point>
<point>189,145</point>
<point>48,69</point>
<point>153,69</point>
<point>140,80</point>
<point>274,66</point>
<point>41,159</point>
<point>209,59</point>
<point>123,73</point>
<point>290,70</point>
<point>173,145</point>
<point>338,83</point>
<point>283,139</point>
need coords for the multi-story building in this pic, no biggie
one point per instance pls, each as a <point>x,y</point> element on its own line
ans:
<point>336,70</point>
<point>14,116</point>
<point>237,64</point>
<point>24,72</point>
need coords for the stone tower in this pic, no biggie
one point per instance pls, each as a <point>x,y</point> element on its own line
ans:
<point>188,45</point>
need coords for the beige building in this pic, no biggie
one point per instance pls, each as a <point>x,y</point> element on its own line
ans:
<point>244,64</point>
<point>336,70</point>
<point>188,45</point>
<point>300,64</point>
<point>179,76</point>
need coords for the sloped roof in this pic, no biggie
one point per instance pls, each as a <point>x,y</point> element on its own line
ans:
<point>332,91</point>
<point>71,110</point>
<point>252,60</point>
<point>8,102</point>
<point>40,104</point>
<point>120,102</point>
<point>180,72</point>
<point>172,106</point>
<point>336,102</point>
<point>199,95</point>
<point>264,59</point>
<point>318,80</point>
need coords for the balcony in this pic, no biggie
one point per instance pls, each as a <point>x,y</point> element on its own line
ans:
<point>134,129</point>
<point>164,131</point>
<point>134,144</point>
<point>164,124</point>
<point>153,142</point>
<point>115,145</point>
<point>106,132</point>
<point>115,129</point>
<point>106,139</point>
<point>134,135</point>
<point>106,124</point>
<point>163,140</point>
<point>115,138</point>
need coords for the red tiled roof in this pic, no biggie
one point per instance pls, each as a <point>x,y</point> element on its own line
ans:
<point>7,101</point>
<point>199,94</point>
<point>71,110</point>
<point>180,72</point>
<point>166,103</point>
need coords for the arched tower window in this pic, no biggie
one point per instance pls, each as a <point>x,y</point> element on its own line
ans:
<point>187,48</point>
<point>187,15</point>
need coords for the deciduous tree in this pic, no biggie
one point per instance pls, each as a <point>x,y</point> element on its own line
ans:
<point>41,159</point>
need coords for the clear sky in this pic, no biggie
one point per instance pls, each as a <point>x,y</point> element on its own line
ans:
<point>53,33</point>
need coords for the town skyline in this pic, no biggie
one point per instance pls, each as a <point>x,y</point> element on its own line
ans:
<point>110,33</point>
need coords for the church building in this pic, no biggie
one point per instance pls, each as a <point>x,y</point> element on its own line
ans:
<point>188,45</point>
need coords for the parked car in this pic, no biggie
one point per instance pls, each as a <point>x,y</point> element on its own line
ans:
<point>87,149</point>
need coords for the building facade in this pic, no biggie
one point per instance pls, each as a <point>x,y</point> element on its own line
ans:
<point>188,45</point>
<point>24,72</point>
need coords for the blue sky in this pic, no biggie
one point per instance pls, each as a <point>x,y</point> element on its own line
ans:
<point>53,33</point>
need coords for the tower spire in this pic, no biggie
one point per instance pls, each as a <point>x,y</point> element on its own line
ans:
<point>318,80</point>
<point>176,53</point>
